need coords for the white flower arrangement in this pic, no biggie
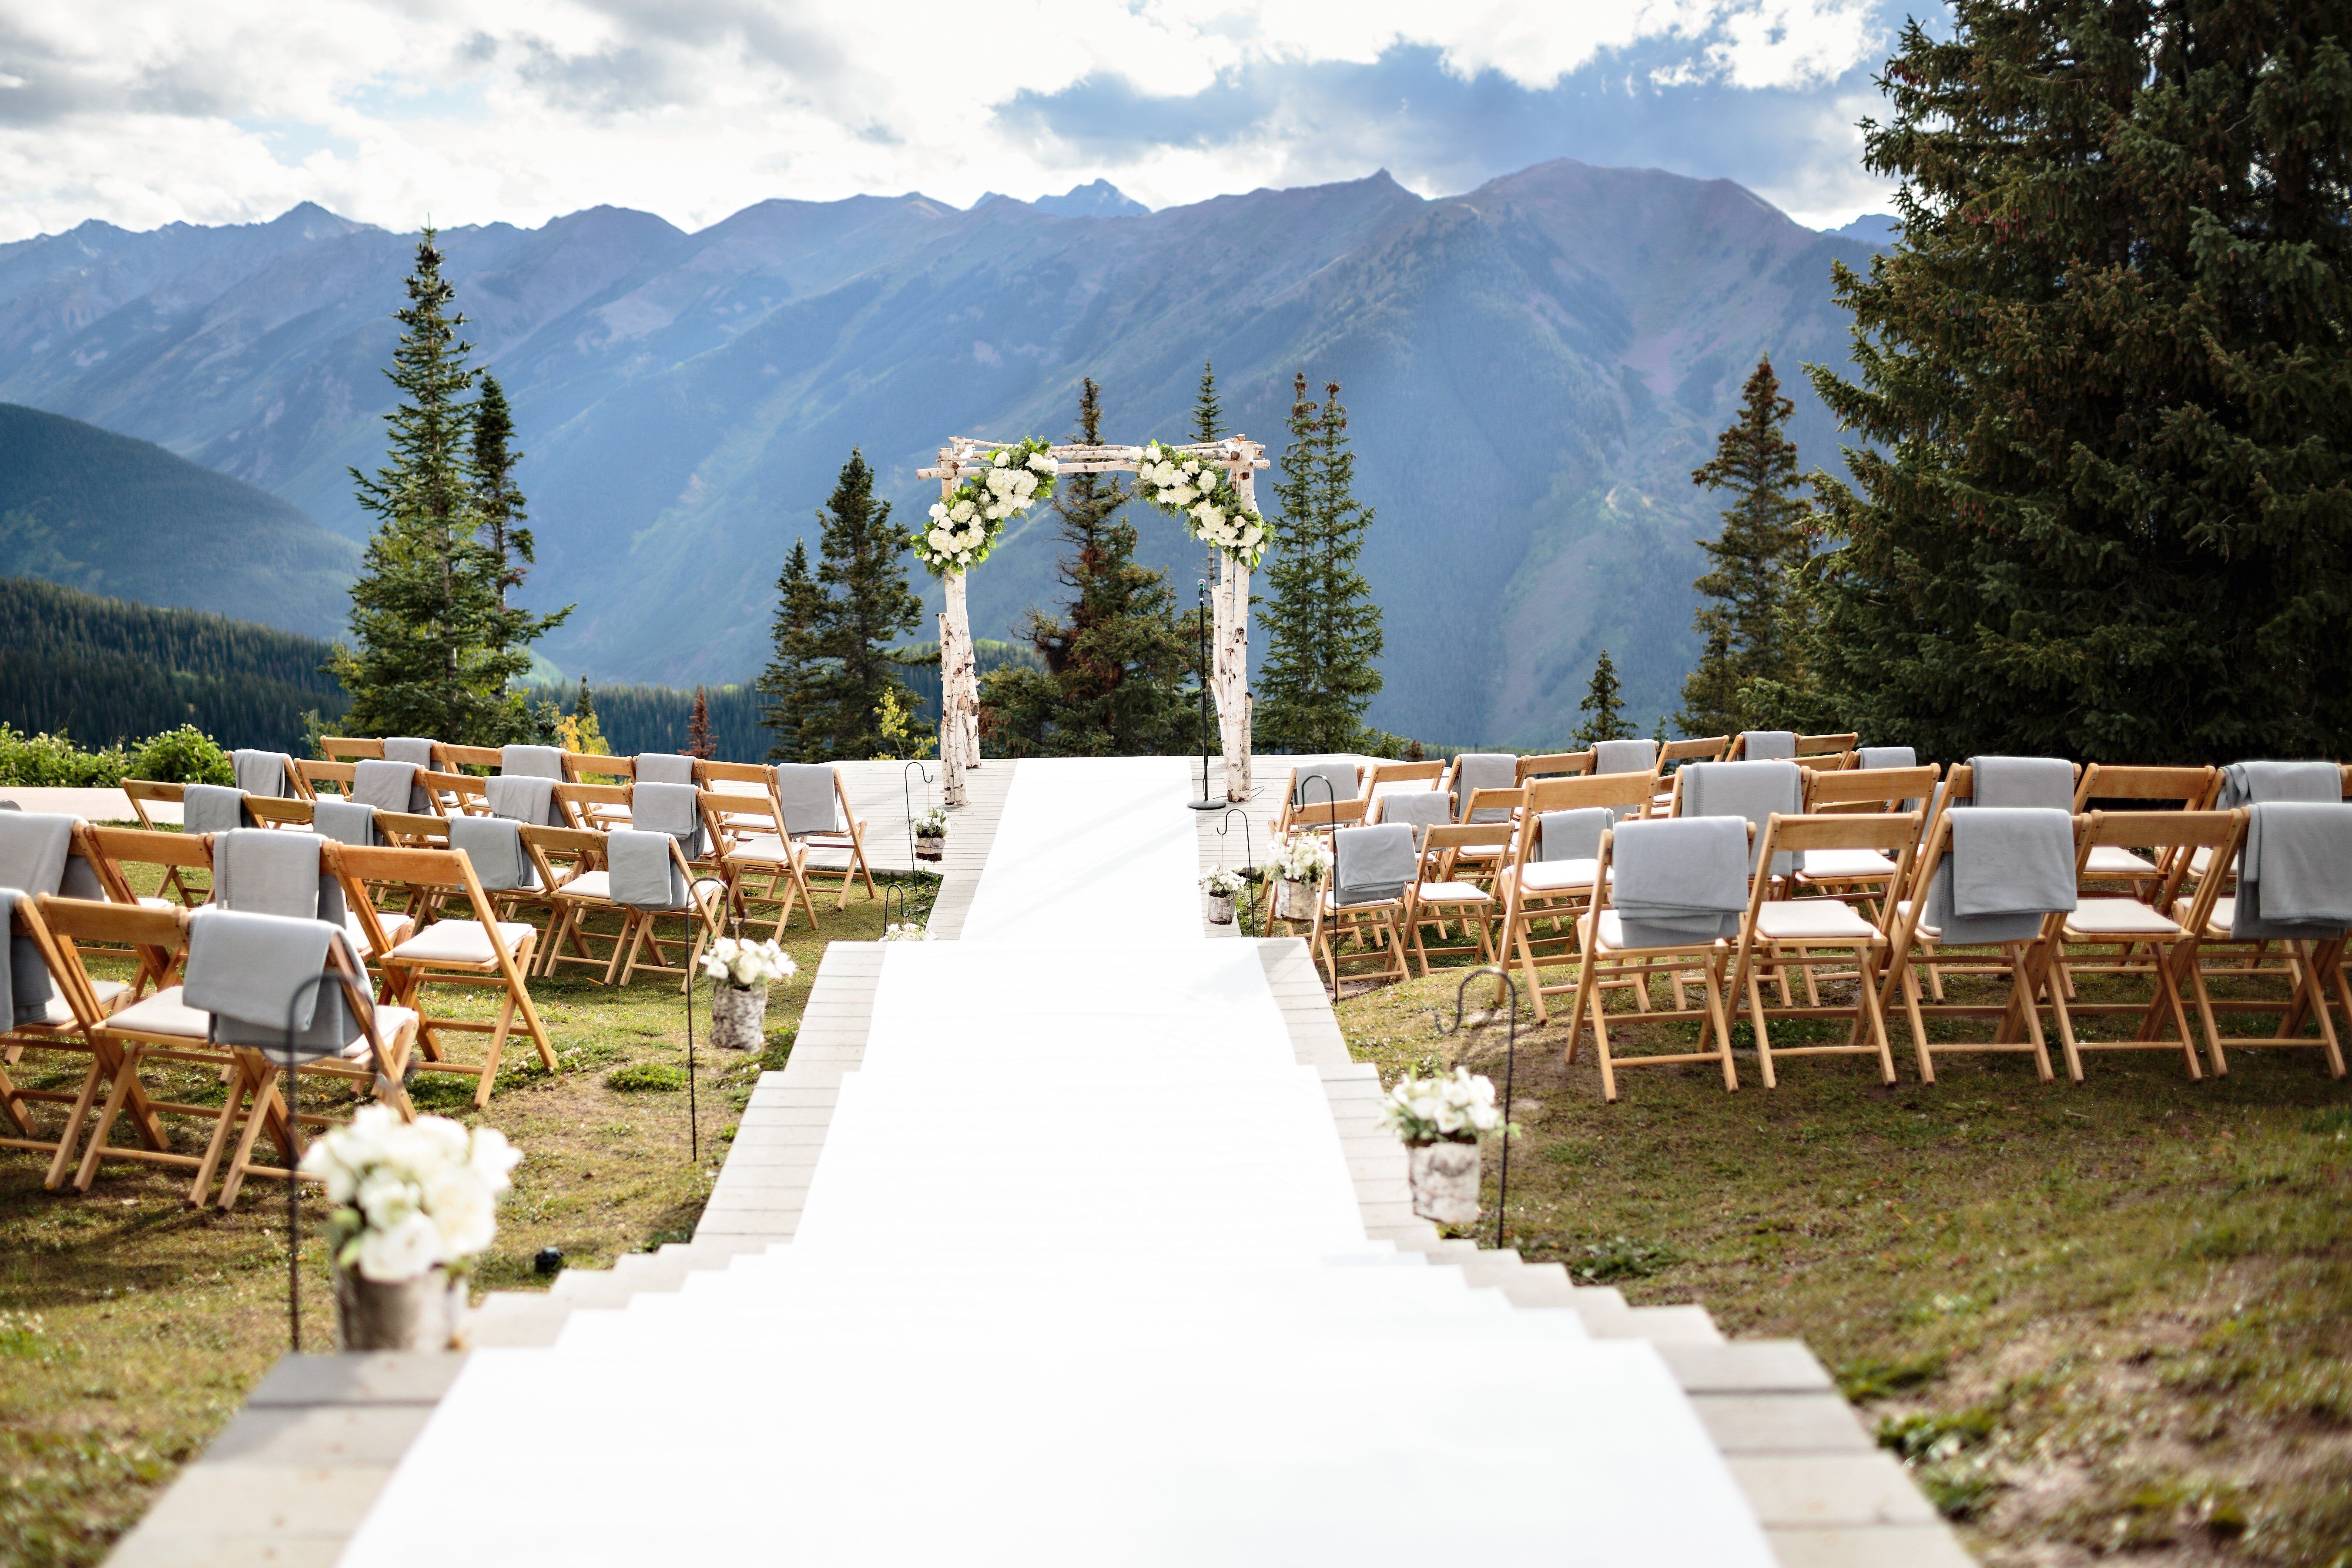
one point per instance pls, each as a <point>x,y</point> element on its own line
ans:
<point>409,1197</point>
<point>1300,858</point>
<point>932,823</point>
<point>1448,1109</point>
<point>1223,884</point>
<point>1203,492</point>
<point>906,931</point>
<point>733,963</point>
<point>964,527</point>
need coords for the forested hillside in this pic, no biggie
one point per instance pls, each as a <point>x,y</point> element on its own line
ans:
<point>102,671</point>
<point>111,515</point>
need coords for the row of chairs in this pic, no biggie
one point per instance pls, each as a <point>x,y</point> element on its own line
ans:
<point>1857,846</point>
<point>1332,793</point>
<point>795,812</point>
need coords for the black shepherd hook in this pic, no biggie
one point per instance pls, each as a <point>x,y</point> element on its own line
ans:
<point>1510,1065</point>
<point>906,795</point>
<point>888,888</point>
<point>1249,855</point>
<point>296,1051</point>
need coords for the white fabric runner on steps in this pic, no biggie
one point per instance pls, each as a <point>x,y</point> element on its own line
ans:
<point>1081,1279</point>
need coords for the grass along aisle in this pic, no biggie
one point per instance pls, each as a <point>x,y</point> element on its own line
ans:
<point>2094,1319</point>
<point>131,1326</point>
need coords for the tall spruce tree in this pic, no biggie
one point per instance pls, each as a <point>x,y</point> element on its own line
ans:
<point>853,613</point>
<point>496,497</point>
<point>1116,660</point>
<point>699,742</point>
<point>438,649</point>
<point>2104,512</point>
<point>1208,414</point>
<point>1747,622</point>
<point>1323,630</point>
<point>785,680</point>
<point>1604,705</point>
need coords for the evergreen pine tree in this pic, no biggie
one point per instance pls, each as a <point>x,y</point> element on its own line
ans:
<point>860,606</point>
<point>2103,510</point>
<point>699,744</point>
<point>1116,662</point>
<point>1746,623</point>
<point>1208,414</point>
<point>437,650</point>
<point>785,680</point>
<point>1603,707</point>
<point>1323,629</point>
<point>496,499</point>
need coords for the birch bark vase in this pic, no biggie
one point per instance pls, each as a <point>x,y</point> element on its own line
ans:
<point>1445,1182</point>
<point>739,1017</point>
<point>426,1313</point>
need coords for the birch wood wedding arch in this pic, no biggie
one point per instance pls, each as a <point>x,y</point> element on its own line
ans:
<point>1229,676</point>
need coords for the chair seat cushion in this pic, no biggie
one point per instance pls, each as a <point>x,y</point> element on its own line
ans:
<point>761,849</point>
<point>1454,893</point>
<point>2225,914</point>
<point>2114,860</point>
<point>1812,919</point>
<point>2118,916</point>
<point>1612,936</point>
<point>395,927</point>
<point>825,857</point>
<point>58,1013</point>
<point>390,1024</point>
<point>165,1013</point>
<point>1845,865</point>
<point>1557,876</point>
<point>157,904</point>
<point>596,885</point>
<point>459,941</point>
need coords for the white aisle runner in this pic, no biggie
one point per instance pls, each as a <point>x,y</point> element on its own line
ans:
<point>1081,1281</point>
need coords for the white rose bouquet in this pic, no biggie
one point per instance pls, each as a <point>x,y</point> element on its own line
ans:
<point>932,823</point>
<point>964,527</point>
<point>733,963</point>
<point>1201,490</point>
<point>1300,858</point>
<point>409,1197</point>
<point>905,930</point>
<point>1450,1109</point>
<point>1223,884</point>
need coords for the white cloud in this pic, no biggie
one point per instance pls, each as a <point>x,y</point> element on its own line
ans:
<point>145,111</point>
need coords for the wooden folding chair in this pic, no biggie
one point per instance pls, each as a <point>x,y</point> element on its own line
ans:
<point>600,812</point>
<point>1389,777</point>
<point>703,913</point>
<point>456,793</point>
<point>1826,745</point>
<point>1862,876</point>
<point>1611,956</point>
<point>1556,765</point>
<point>1375,922</point>
<point>2310,968</point>
<point>841,853</point>
<point>64,1033</point>
<point>2116,937</point>
<point>456,758</point>
<point>2024,959</point>
<point>570,865</point>
<point>1824,762</point>
<point>293,813</point>
<point>1311,799</point>
<point>328,777</point>
<point>161,1030</point>
<point>2181,789</point>
<point>1806,936</point>
<point>482,951</point>
<point>1438,897</point>
<point>1702,749</point>
<point>1544,886</point>
<point>349,748</point>
<point>182,862</point>
<point>759,861</point>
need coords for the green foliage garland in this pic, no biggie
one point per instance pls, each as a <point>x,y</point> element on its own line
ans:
<point>965,526</point>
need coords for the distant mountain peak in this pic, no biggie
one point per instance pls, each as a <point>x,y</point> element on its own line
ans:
<point>1099,198</point>
<point>1873,228</point>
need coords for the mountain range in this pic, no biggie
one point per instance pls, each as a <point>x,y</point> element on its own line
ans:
<point>1531,369</point>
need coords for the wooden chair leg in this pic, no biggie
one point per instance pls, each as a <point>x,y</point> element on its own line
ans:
<point>1721,1023</point>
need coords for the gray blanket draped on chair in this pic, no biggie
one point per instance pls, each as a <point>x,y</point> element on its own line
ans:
<point>1372,865</point>
<point>645,876</point>
<point>389,787</point>
<point>531,762</point>
<point>261,772</point>
<point>213,808</point>
<point>665,767</point>
<point>1474,771</point>
<point>1770,746</point>
<point>2009,867</point>
<point>2254,784</point>
<point>257,974</point>
<point>2045,784</point>
<point>493,844</point>
<point>34,847</point>
<point>524,798</point>
<point>812,804</point>
<point>1750,790</point>
<point>2294,876</point>
<point>1573,835</point>
<point>1679,881</point>
<point>1624,757</point>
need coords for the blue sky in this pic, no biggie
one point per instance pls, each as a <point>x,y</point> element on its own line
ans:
<point>148,112</point>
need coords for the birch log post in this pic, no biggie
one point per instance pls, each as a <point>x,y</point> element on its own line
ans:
<point>959,680</point>
<point>1233,655</point>
<point>950,754</point>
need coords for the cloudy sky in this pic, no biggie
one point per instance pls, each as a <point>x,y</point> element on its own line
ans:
<point>150,112</point>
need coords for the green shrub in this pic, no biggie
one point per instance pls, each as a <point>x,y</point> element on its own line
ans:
<point>184,755</point>
<point>641,1077</point>
<point>51,761</point>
